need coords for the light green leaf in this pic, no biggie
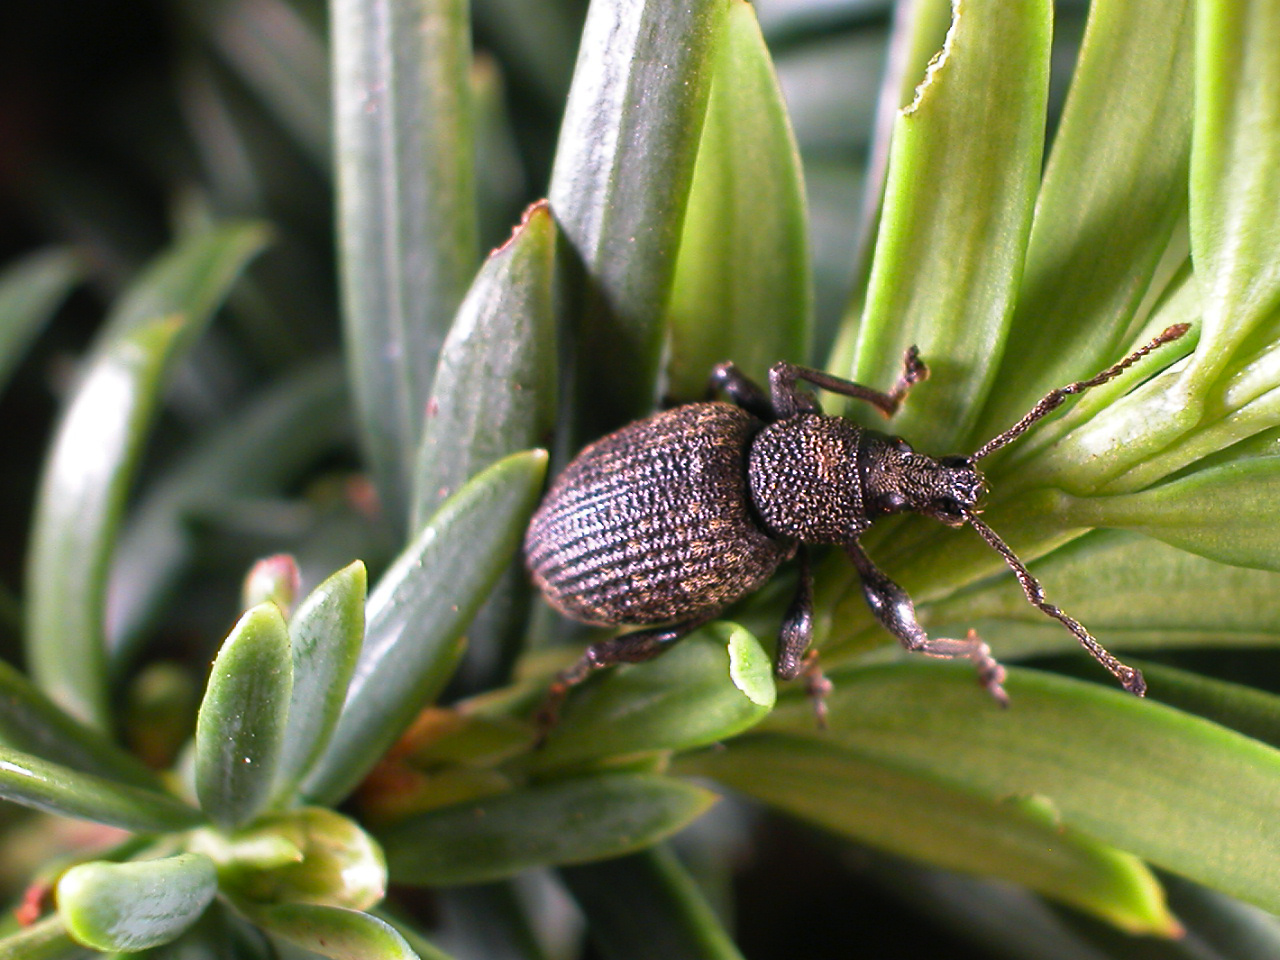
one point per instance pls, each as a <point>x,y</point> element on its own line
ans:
<point>1235,176</point>
<point>686,698</point>
<point>1131,773</point>
<point>136,905</point>
<point>417,613</point>
<point>1115,184</point>
<point>332,931</point>
<point>95,454</point>
<point>1131,591</point>
<point>325,637</point>
<point>32,723</point>
<point>742,288</point>
<point>927,817</point>
<point>241,726</point>
<point>623,166</point>
<point>646,905</point>
<point>407,212</point>
<point>1229,513</point>
<point>30,291</point>
<point>495,388</point>
<point>38,783</point>
<point>563,821</point>
<point>963,171</point>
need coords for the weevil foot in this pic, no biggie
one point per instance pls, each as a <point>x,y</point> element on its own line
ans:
<point>817,687</point>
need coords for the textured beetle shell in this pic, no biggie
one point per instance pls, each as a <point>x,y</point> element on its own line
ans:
<point>653,523</point>
<point>805,479</point>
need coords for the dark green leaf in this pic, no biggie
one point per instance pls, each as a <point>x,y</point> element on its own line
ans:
<point>417,613</point>
<point>685,699</point>
<point>926,817</point>
<point>241,727</point>
<point>95,453</point>
<point>253,453</point>
<point>1115,184</point>
<point>742,288</point>
<point>325,637</point>
<point>564,821</point>
<point>34,782</point>
<point>646,905</point>
<point>30,291</point>
<point>136,905</point>
<point>332,931</point>
<point>963,171</point>
<point>406,196</point>
<point>32,723</point>
<point>625,160</point>
<point>495,388</point>
<point>1131,773</point>
<point>282,58</point>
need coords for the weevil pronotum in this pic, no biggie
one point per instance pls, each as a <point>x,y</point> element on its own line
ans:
<point>667,521</point>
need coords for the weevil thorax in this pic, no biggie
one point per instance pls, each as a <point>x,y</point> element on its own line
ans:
<point>898,479</point>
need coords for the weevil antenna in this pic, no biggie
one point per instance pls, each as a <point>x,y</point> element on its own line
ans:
<point>1131,679</point>
<point>1054,398</point>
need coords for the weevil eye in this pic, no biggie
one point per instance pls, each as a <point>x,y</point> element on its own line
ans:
<point>889,502</point>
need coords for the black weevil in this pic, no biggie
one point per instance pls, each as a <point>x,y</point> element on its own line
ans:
<point>667,521</point>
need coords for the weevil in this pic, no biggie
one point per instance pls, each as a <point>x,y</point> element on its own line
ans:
<point>665,522</point>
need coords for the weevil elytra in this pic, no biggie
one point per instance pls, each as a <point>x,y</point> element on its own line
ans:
<point>664,523</point>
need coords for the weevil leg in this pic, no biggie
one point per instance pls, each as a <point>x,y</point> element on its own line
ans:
<point>634,647</point>
<point>789,398</point>
<point>797,626</point>
<point>894,609</point>
<point>794,658</point>
<point>741,389</point>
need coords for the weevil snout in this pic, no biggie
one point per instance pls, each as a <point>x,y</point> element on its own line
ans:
<point>900,480</point>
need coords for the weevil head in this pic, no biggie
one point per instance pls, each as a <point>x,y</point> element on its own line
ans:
<point>897,479</point>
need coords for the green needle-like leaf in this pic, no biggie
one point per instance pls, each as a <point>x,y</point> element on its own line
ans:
<point>30,291</point>
<point>95,453</point>
<point>332,931</point>
<point>34,782</point>
<point>742,287</point>
<point>406,197</point>
<point>1115,184</point>
<point>646,905</point>
<point>495,389</point>
<point>685,699</point>
<point>923,816</point>
<point>564,821</point>
<point>32,723</point>
<point>241,726</point>
<point>1229,513</point>
<point>133,906</point>
<point>282,57</point>
<point>1133,592</point>
<point>325,636</point>
<point>963,171</point>
<point>417,613</point>
<point>1235,175</point>
<point>624,163</point>
<point>1130,773</point>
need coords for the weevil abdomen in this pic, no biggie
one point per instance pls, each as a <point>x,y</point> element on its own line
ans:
<point>653,523</point>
